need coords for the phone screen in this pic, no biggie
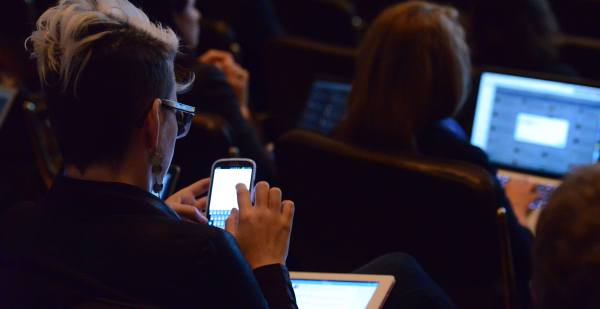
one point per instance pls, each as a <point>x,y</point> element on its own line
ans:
<point>223,195</point>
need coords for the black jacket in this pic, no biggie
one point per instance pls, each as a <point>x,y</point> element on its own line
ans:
<point>91,240</point>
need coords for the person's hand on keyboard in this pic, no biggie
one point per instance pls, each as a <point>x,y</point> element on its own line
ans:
<point>263,230</point>
<point>521,194</point>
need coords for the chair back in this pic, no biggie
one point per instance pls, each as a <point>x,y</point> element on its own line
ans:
<point>292,65</point>
<point>43,142</point>
<point>331,21</point>
<point>353,205</point>
<point>509,282</point>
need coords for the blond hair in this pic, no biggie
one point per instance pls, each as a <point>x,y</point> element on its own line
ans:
<point>101,64</point>
<point>62,39</point>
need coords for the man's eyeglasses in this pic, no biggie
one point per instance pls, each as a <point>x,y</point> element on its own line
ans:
<point>183,113</point>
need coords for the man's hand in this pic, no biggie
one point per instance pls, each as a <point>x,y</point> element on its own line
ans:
<point>187,204</point>
<point>236,76</point>
<point>263,230</point>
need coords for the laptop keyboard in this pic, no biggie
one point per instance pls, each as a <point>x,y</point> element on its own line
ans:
<point>218,217</point>
<point>544,192</point>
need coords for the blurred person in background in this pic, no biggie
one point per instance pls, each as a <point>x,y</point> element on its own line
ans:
<point>369,9</point>
<point>521,34</point>
<point>221,84</point>
<point>255,23</point>
<point>566,252</point>
<point>412,75</point>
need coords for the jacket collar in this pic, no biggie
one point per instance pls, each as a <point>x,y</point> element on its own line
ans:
<point>82,197</point>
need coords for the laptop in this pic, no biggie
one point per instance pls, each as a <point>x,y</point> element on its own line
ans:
<point>349,291</point>
<point>535,127</point>
<point>7,97</point>
<point>326,105</point>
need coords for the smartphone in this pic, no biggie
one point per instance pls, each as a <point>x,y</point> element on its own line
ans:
<point>222,194</point>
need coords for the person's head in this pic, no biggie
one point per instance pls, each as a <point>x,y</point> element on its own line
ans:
<point>566,254</point>
<point>513,33</point>
<point>107,72</point>
<point>180,15</point>
<point>413,69</point>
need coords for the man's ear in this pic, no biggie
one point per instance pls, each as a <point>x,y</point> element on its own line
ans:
<point>152,126</point>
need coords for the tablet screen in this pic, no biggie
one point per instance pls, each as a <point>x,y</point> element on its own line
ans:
<point>313,294</point>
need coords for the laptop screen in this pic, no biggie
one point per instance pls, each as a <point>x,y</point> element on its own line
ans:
<point>326,106</point>
<point>536,125</point>
<point>313,294</point>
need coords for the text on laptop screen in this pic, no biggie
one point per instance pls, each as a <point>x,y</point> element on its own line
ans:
<point>326,106</point>
<point>313,294</point>
<point>537,125</point>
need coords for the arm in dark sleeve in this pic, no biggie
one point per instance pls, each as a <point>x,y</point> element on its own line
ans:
<point>239,287</point>
<point>234,285</point>
<point>212,94</point>
<point>275,283</point>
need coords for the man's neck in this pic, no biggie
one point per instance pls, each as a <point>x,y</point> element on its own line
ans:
<point>107,173</point>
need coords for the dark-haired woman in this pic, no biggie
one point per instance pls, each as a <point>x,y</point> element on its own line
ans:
<point>413,75</point>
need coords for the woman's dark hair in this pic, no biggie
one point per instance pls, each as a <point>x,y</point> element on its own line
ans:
<point>413,69</point>
<point>513,33</point>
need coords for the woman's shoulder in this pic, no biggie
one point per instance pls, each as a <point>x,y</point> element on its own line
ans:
<point>440,142</point>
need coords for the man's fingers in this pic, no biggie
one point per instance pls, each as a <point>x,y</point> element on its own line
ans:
<point>275,199</point>
<point>261,192</point>
<point>231,223</point>
<point>200,187</point>
<point>201,204</point>
<point>190,213</point>
<point>234,70</point>
<point>243,198</point>
<point>288,209</point>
